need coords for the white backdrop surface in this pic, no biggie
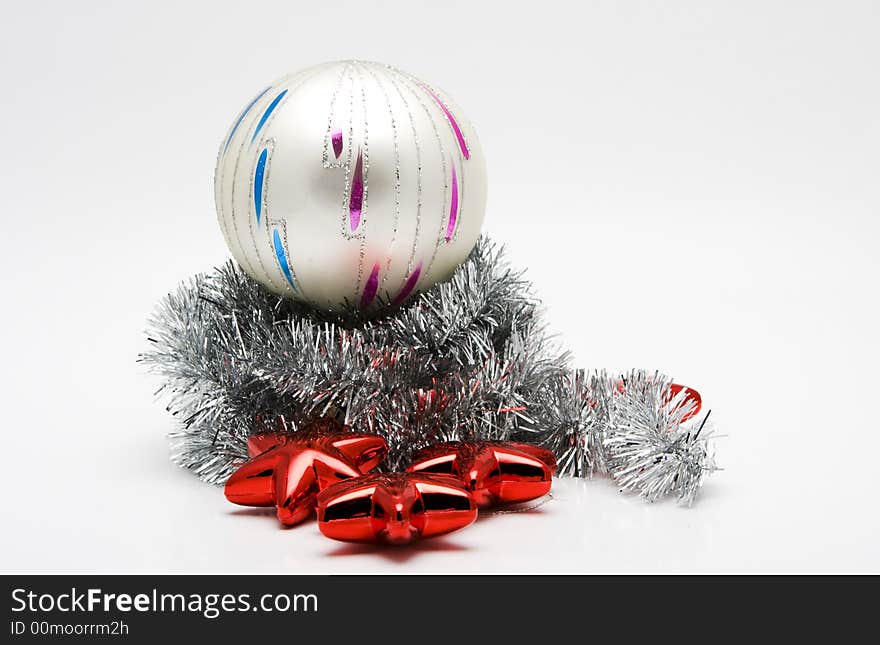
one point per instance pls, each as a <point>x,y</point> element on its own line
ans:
<point>693,188</point>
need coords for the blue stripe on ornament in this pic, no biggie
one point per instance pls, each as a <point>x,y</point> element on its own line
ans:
<point>282,257</point>
<point>241,117</point>
<point>259,175</point>
<point>267,113</point>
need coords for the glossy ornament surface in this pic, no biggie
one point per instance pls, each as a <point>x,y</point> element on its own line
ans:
<point>350,183</point>
<point>394,509</point>
<point>686,399</point>
<point>288,470</point>
<point>678,399</point>
<point>493,472</point>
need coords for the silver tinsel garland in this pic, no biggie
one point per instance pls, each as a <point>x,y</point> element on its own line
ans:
<point>468,359</point>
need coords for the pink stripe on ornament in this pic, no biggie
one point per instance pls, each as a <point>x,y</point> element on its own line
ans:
<point>461,143</point>
<point>356,200</point>
<point>337,143</point>
<point>371,287</point>
<point>408,285</point>
<point>453,208</point>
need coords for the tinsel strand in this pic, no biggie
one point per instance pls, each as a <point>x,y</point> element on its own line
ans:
<point>468,359</point>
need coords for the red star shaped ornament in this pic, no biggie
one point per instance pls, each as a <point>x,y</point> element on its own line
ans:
<point>282,469</point>
<point>494,472</point>
<point>394,509</point>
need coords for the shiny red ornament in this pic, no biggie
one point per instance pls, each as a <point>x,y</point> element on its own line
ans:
<point>282,471</point>
<point>394,509</point>
<point>691,398</point>
<point>493,472</point>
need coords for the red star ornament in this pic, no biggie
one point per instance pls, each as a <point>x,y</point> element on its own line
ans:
<point>395,508</point>
<point>282,469</point>
<point>494,472</point>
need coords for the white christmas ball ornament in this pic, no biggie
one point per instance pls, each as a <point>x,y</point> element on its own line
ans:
<point>350,183</point>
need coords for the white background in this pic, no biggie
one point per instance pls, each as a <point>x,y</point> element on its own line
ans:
<point>693,188</point>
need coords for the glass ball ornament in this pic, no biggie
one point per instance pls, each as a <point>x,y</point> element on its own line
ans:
<point>350,184</point>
